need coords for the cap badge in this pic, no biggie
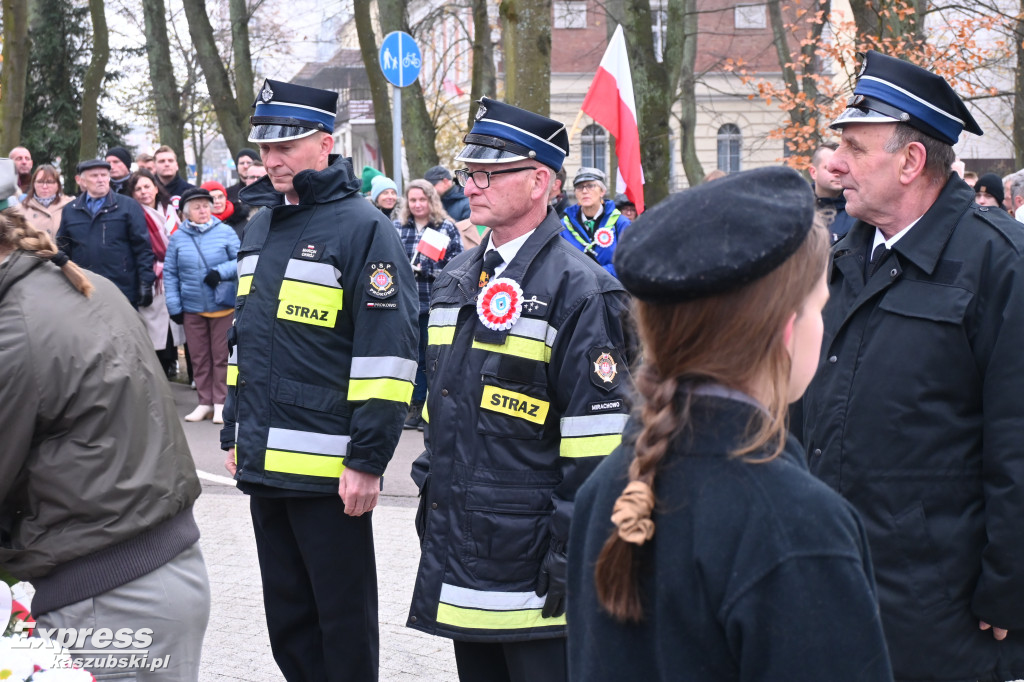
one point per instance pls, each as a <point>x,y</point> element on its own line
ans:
<point>481,110</point>
<point>605,368</point>
<point>266,94</point>
<point>604,237</point>
<point>500,304</point>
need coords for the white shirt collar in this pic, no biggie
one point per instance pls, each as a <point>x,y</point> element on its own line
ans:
<point>880,238</point>
<point>508,250</point>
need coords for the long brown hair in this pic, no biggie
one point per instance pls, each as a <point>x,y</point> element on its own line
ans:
<point>16,233</point>
<point>47,171</point>
<point>734,339</point>
<point>437,212</point>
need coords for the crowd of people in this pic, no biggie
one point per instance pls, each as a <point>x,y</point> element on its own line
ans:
<point>766,430</point>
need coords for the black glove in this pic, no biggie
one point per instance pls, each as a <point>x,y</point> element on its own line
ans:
<point>551,581</point>
<point>178,318</point>
<point>145,296</point>
<point>212,279</point>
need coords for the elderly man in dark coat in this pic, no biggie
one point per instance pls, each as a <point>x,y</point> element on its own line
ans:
<point>914,415</point>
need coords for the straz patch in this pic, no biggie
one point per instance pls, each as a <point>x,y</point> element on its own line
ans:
<point>606,406</point>
<point>321,317</point>
<point>536,306</point>
<point>309,251</point>
<point>514,404</point>
<point>382,305</point>
<point>605,368</point>
<point>381,280</point>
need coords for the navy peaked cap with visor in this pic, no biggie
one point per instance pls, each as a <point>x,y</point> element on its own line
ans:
<point>503,133</point>
<point>285,111</point>
<point>890,90</point>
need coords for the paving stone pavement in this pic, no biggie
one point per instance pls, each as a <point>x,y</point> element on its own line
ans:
<point>237,646</point>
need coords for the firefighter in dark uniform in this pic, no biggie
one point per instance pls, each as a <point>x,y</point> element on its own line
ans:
<point>527,394</point>
<point>915,415</point>
<point>323,359</point>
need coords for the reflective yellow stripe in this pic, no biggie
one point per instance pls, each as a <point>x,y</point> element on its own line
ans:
<point>286,462</point>
<point>530,349</point>
<point>381,388</point>
<point>300,312</point>
<point>244,285</point>
<point>232,375</point>
<point>312,295</point>
<point>423,412</point>
<point>494,620</point>
<point>514,404</point>
<point>590,446</point>
<point>440,336</point>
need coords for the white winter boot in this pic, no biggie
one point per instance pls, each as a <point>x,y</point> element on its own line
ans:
<point>200,413</point>
<point>218,414</point>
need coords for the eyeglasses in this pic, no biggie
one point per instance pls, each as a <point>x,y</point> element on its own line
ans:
<point>587,187</point>
<point>482,179</point>
<point>44,181</point>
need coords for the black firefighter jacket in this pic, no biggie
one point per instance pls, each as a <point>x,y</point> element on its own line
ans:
<point>517,421</point>
<point>915,416</point>
<point>323,349</point>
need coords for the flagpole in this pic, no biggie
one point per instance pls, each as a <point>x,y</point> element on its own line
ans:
<point>575,126</point>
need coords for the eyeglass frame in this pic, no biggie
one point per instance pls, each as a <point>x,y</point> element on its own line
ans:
<point>469,174</point>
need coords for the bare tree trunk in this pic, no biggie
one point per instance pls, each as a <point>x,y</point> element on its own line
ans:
<point>244,95</point>
<point>93,82</point>
<point>417,127</point>
<point>231,121</point>
<point>378,84</point>
<point>688,95</point>
<point>526,37</point>
<point>484,79</point>
<point>166,96</point>
<point>14,72</point>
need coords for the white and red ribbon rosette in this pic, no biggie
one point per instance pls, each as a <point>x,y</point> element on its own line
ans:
<point>500,304</point>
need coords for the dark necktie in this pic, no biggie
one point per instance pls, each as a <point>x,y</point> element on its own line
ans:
<point>877,256</point>
<point>492,259</point>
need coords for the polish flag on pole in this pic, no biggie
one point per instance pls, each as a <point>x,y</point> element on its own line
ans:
<point>610,102</point>
<point>433,244</point>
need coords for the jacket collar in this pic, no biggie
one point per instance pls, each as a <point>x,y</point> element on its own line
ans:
<point>548,229</point>
<point>17,265</point>
<point>337,181</point>
<point>109,201</point>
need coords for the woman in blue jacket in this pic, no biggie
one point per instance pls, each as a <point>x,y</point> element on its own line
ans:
<point>593,225</point>
<point>202,253</point>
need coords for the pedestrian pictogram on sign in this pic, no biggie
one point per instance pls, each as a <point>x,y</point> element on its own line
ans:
<point>400,58</point>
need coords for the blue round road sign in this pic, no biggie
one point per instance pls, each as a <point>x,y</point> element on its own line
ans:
<point>400,58</point>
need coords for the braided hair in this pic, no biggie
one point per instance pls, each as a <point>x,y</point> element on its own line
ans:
<point>17,234</point>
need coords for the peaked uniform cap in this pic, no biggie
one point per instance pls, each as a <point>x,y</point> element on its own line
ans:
<point>285,111</point>
<point>890,90</point>
<point>505,133</point>
<point>702,242</point>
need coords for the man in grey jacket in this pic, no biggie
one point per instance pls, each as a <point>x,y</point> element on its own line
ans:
<point>96,479</point>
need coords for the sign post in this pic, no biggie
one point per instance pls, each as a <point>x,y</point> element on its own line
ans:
<point>400,60</point>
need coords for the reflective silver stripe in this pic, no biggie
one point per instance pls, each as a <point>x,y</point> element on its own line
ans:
<point>552,333</point>
<point>384,366</point>
<point>530,328</point>
<point>307,441</point>
<point>491,601</point>
<point>441,317</point>
<point>596,425</point>
<point>247,265</point>
<point>316,273</point>
<point>233,358</point>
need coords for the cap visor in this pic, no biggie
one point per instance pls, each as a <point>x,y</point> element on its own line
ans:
<point>476,153</point>
<point>277,133</point>
<point>855,115</point>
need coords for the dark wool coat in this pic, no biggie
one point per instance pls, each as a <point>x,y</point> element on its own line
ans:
<point>915,417</point>
<point>756,571</point>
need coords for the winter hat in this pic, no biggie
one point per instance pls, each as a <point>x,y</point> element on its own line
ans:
<point>379,184</point>
<point>251,153</point>
<point>122,155</point>
<point>991,183</point>
<point>211,185</point>
<point>369,173</point>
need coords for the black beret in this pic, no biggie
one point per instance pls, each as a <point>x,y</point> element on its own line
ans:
<point>991,183</point>
<point>89,164</point>
<point>716,237</point>
<point>191,195</point>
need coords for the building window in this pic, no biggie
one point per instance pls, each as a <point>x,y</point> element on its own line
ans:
<point>570,14</point>
<point>750,16</point>
<point>593,142</point>
<point>730,142</point>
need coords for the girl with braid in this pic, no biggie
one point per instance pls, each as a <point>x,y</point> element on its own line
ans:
<point>702,549</point>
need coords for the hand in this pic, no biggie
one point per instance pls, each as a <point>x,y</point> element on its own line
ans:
<point>551,581</point>
<point>359,491</point>
<point>212,279</point>
<point>229,463</point>
<point>145,296</point>
<point>178,318</point>
<point>999,633</point>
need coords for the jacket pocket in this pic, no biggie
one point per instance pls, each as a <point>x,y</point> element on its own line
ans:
<point>513,400</point>
<point>927,301</point>
<point>925,587</point>
<point>506,529</point>
<point>311,397</point>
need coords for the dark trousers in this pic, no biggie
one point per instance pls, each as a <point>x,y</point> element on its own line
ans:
<point>419,391</point>
<point>319,587</point>
<point>539,660</point>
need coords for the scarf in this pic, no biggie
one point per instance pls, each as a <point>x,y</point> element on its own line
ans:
<point>229,210</point>
<point>47,201</point>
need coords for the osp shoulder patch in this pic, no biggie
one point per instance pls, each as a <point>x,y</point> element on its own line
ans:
<point>381,281</point>
<point>605,368</point>
<point>309,251</point>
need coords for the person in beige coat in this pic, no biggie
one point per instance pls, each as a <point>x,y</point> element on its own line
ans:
<point>44,202</point>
